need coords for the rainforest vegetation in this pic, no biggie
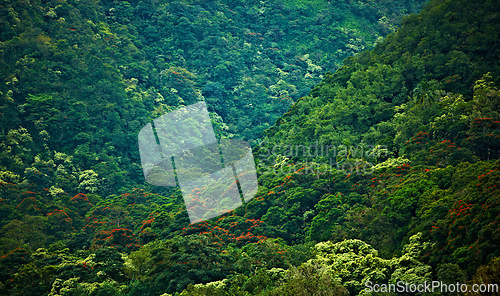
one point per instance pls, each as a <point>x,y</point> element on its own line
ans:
<point>374,124</point>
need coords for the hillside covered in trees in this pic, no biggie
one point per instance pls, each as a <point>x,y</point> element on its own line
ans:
<point>377,155</point>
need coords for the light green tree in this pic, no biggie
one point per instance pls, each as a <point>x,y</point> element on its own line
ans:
<point>89,181</point>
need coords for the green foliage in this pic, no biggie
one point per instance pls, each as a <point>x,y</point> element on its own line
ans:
<point>309,280</point>
<point>356,265</point>
<point>487,274</point>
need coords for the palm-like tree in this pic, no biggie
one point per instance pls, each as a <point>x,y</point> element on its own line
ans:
<point>426,93</point>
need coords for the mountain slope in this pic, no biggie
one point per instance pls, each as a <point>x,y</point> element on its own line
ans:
<point>442,48</point>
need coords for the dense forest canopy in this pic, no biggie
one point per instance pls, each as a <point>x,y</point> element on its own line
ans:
<point>375,134</point>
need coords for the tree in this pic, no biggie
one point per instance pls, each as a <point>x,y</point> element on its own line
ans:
<point>308,280</point>
<point>426,93</point>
